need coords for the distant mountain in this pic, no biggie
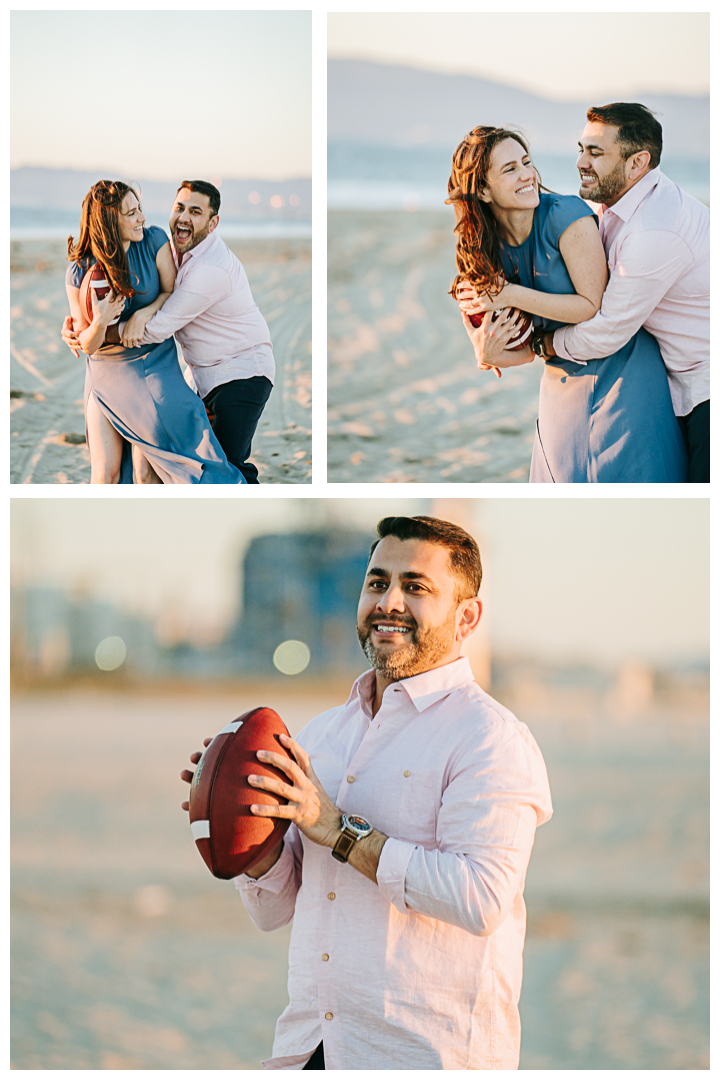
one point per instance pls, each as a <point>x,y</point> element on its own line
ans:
<point>64,189</point>
<point>384,104</point>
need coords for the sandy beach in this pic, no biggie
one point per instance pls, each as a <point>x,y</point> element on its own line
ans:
<point>406,402</point>
<point>127,954</point>
<point>46,383</point>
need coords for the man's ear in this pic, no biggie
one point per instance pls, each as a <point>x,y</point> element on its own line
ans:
<point>214,221</point>
<point>470,613</point>
<point>639,163</point>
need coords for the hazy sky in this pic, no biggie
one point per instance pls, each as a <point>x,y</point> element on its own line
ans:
<point>582,578</point>
<point>158,93</point>
<point>559,55</point>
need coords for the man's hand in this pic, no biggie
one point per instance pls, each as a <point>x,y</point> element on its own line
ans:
<point>309,805</point>
<point>69,336</point>
<point>489,341</point>
<point>548,342</point>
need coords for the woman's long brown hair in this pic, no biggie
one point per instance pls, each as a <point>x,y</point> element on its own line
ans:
<point>100,233</point>
<point>478,245</point>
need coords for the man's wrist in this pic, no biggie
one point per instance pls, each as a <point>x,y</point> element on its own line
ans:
<point>548,337</point>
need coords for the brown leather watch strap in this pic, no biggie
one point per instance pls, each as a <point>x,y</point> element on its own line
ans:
<point>343,846</point>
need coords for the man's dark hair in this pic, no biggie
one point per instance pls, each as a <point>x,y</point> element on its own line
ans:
<point>465,562</point>
<point>637,128</point>
<point>204,188</point>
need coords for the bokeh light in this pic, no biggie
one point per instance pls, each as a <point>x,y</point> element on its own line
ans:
<point>110,653</point>
<point>291,657</point>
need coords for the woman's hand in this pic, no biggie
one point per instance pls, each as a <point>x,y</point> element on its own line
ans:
<point>135,328</point>
<point>107,309</point>
<point>490,340</point>
<point>473,303</point>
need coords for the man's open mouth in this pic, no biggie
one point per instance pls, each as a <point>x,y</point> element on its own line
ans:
<point>588,178</point>
<point>182,233</point>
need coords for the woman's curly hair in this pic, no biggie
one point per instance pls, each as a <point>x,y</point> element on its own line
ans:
<point>478,245</point>
<point>100,233</point>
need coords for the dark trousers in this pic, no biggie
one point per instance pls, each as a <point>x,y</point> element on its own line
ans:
<point>695,428</point>
<point>234,409</point>
<point>317,1061</point>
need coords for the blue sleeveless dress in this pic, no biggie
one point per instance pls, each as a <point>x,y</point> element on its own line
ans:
<point>609,421</point>
<point>143,394</point>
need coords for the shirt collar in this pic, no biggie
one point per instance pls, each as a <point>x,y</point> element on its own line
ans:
<point>626,207</point>
<point>198,251</point>
<point>424,689</point>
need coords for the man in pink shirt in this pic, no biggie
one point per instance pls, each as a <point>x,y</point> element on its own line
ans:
<point>657,241</point>
<point>414,808</point>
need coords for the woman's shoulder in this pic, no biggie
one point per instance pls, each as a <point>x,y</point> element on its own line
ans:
<point>155,237</point>
<point>76,271</point>
<point>559,211</point>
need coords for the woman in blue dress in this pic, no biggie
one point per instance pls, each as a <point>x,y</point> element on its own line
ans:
<point>143,422</point>
<point>608,421</point>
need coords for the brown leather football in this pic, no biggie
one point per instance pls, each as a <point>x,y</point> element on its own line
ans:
<point>227,835</point>
<point>95,278</point>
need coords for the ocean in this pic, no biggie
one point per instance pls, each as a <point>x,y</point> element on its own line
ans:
<point>35,224</point>
<point>364,177</point>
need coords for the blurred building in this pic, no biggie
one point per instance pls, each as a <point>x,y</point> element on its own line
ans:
<point>300,586</point>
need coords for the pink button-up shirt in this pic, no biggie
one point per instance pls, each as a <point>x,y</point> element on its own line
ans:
<point>657,242</point>
<point>422,970</point>
<point>214,317</point>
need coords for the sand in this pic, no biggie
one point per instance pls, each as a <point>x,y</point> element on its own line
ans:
<point>127,954</point>
<point>406,401</point>
<point>47,426</point>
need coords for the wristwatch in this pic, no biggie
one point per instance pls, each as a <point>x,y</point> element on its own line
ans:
<point>354,828</point>
<point>538,345</point>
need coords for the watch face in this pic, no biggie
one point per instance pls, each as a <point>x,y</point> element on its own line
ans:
<point>358,825</point>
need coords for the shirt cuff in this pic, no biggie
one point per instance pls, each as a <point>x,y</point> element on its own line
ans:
<point>392,867</point>
<point>560,347</point>
<point>274,880</point>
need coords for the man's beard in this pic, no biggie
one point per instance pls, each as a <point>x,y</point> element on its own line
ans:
<point>608,188</point>
<point>421,652</point>
<point>195,238</point>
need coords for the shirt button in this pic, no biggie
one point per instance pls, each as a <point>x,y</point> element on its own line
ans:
<point>351,779</point>
<point>324,956</point>
<point>328,1016</point>
<point>406,773</point>
<point>331,896</point>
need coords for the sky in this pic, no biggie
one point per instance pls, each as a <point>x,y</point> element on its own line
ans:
<point>586,579</point>
<point>560,55</point>
<point>158,93</point>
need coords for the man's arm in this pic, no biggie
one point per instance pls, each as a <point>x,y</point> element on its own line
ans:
<point>486,827</point>
<point>192,296</point>
<point>649,264</point>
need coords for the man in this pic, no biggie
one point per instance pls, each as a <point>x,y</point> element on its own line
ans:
<point>225,340</point>
<point>657,242</point>
<point>414,808</point>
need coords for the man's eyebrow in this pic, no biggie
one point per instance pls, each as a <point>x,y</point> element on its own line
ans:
<point>407,575</point>
<point>193,206</point>
<point>590,146</point>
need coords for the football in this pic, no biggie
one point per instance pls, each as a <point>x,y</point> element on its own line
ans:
<point>227,835</point>
<point>95,278</point>
<point>522,335</point>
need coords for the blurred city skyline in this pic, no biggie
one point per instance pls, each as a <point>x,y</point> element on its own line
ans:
<point>223,94</point>
<point>598,581</point>
<point>576,55</point>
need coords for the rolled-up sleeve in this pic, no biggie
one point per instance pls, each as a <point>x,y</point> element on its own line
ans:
<point>485,832</point>
<point>270,899</point>
<point>648,265</point>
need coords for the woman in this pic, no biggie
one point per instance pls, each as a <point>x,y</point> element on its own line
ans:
<point>141,417</point>
<point>608,421</point>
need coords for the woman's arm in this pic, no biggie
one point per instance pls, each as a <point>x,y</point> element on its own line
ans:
<point>135,326</point>
<point>584,257</point>
<point>92,335</point>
